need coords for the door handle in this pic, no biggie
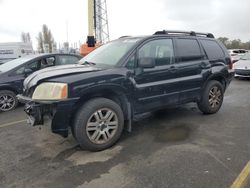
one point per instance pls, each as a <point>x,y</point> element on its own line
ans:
<point>173,69</point>
<point>205,65</point>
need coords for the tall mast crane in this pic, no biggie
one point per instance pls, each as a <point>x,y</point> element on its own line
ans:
<point>101,21</point>
<point>98,30</point>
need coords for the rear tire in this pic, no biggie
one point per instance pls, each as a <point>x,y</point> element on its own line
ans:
<point>98,124</point>
<point>212,98</point>
<point>8,100</point>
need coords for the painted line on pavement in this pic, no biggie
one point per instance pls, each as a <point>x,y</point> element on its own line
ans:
<point>242,180</point>
<point>13,123</point>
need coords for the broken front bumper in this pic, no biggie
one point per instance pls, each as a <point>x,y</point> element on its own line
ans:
<point>57,113</point>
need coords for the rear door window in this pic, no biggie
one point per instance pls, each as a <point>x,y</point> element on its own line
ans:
<point>213,49</point>
<point>188,50</point>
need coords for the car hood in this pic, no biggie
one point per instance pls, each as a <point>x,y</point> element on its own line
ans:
<point>57,71</point>
<point>242,64</point>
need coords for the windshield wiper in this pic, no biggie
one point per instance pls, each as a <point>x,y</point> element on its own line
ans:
<point>88,63</point>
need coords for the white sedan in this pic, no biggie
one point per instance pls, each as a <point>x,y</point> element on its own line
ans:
<point>236,54</point>
<point>242,67</point>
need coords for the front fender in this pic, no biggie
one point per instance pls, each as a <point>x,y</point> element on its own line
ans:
<point>9,87</point>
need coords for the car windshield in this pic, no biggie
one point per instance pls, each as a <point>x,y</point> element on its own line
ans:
<point>14,63</point>
<point>246,56</point>
<point>110,53</point>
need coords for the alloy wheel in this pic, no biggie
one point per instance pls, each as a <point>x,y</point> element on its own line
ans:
<point>215,97</point>
<point>102,126</point>
<point>7,102</point>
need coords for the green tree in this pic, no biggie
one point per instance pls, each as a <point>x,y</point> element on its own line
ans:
<point>224,40</point>
<point>246,45</point>
<point>236,43</point>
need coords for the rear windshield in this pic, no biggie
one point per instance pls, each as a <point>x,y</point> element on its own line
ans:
<point>239,51</point>
<point>242,51</point>
<point>236,51</point>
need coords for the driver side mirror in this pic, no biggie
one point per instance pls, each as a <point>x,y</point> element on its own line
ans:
<point>146,62</point>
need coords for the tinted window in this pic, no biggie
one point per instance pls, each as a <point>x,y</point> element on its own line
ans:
<point>64,60</point>
<point>242,51</point>
<point>213,50</point>
<point>34,66</point>
<point>20,70</point>
<point>161,50</point>
<point>188,49</point>
<point>236,51</point>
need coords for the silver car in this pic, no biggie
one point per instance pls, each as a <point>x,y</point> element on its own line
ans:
<point>242,67</point>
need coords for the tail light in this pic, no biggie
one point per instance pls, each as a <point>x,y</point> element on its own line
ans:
<point>230,63</point>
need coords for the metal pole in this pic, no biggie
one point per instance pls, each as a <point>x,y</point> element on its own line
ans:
<point>90,17</point>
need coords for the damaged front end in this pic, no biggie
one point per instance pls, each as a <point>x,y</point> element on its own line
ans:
<point>56,113</point>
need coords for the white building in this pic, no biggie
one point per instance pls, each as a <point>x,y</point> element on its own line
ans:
<point>13,50</point>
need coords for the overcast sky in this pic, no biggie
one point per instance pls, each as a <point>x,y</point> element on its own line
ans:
<point>126,17</point>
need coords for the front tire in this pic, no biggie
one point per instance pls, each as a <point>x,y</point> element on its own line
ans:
<point>212,98</point>
<point>98,124</point>
<point>8,100</point>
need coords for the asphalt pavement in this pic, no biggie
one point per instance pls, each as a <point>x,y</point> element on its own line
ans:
<point>177,147</point>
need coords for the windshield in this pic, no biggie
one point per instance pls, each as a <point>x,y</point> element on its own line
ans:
<point>110,53</point>
<point>246,56</point>
<point>14,63</point>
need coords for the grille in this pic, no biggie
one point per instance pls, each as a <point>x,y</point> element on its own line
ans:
<point>243,72</point>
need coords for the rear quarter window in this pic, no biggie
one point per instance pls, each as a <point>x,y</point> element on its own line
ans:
<point>212,49</point>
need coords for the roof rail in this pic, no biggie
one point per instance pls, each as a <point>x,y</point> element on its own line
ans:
<point>191,33</point>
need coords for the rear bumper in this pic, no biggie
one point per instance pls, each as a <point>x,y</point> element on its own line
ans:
<point>57,113</point>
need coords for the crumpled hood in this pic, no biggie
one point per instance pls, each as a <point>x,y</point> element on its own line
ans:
<point>57,71</point>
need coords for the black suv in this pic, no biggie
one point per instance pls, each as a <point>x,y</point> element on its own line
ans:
<point>101,96</point>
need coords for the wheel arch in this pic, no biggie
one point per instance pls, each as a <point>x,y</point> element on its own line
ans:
<point>116,94</point>
<point>218,77</point>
